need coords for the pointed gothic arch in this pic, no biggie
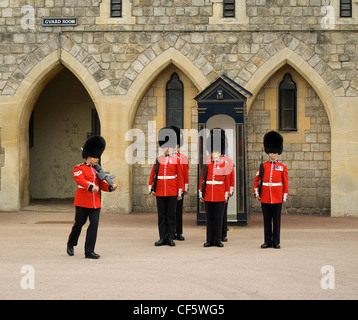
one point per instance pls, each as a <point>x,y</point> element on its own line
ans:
<point>27,94</point>
<point>287,56</point>
<point>154,68</point>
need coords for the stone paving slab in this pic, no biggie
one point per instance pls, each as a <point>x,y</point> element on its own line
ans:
<point>131,267</point>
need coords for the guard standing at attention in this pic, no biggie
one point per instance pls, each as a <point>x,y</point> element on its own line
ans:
<point>214,188</point>
<point>185,168</point>
<point>230,163</point>
<point>166,182</point>
<point>87,198</point>
<point>274,189</point>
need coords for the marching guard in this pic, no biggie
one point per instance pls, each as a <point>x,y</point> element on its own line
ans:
<point>214,189</point>
<point>273,182</point>
<point>87,198</point>
<point>166,182</point>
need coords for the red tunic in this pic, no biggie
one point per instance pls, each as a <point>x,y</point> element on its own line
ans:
<point>274,182</point>
<point>86,177</point>
<point>185,167</point>
<point>170,181</point>
<point>217,181</point>
<point>232,172</point>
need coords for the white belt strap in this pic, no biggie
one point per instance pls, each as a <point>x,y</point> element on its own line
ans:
<point>270,184</point>
<point>214,182</point>
<point>166,177</point>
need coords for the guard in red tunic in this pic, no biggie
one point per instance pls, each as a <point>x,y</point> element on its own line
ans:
<point>87,198</point>
<point>184,162</point>
<point>216,182</point>
<point>230,164</point>
<point>166,182</point>
<point>274,189</point>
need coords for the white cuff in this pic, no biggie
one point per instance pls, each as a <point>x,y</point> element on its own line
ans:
<point>232,191</point>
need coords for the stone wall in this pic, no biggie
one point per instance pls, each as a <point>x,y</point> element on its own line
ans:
<point>116,54</point>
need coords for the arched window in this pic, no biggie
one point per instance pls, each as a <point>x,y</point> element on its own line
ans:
<point>288,104</point>
<point>175,102</point>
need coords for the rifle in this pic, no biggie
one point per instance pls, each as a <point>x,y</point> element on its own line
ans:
<point>203,183</point>
<point>155,177</point>
<point>261,173</point>
<point>103,175</point>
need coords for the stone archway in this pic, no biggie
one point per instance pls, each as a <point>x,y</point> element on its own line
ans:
<point>25,98</point>
<point>62,117</point>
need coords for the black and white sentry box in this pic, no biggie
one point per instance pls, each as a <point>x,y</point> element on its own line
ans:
<point>58,22</point>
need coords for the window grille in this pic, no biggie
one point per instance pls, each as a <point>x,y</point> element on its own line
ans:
<point>288,104</point>
<point>175,102</point>
<point>116,8</point>
<point>345,8</point>
<point>229,9</point>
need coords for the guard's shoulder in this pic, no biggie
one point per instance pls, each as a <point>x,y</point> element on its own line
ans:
<point>182,156</point>
<point>79,165</point>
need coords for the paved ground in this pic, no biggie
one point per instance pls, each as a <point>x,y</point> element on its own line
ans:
<point>131,267</point>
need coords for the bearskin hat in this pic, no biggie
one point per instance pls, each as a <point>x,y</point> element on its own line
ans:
<point>94,147</point>
<point>167,137</point>
<point>273,142</point>
<point>217,141</point>
<point>179,134</point>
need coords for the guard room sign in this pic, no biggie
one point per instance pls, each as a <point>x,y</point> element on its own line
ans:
<point>59,22</point>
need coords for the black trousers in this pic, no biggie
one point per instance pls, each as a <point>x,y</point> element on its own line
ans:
<point>80,220</point>
<point>166,216</point>
<point>272,222</point>
<point>179,216</point>
<point>224,224</point>
<point>214,218</point>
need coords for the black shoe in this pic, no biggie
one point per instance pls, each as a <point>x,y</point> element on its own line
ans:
<point>180,237</point>
<point>208,244</point>
<point>219,244</point>
<point>266,245</point>
<point>171,243</point>
<point>70,250</point>
<point>224,239</point>
<point>276,246</point>
<point>161,242</point>
<point>92,255</point>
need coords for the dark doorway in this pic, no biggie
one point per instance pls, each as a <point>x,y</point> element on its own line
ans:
<point>63,116</point>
